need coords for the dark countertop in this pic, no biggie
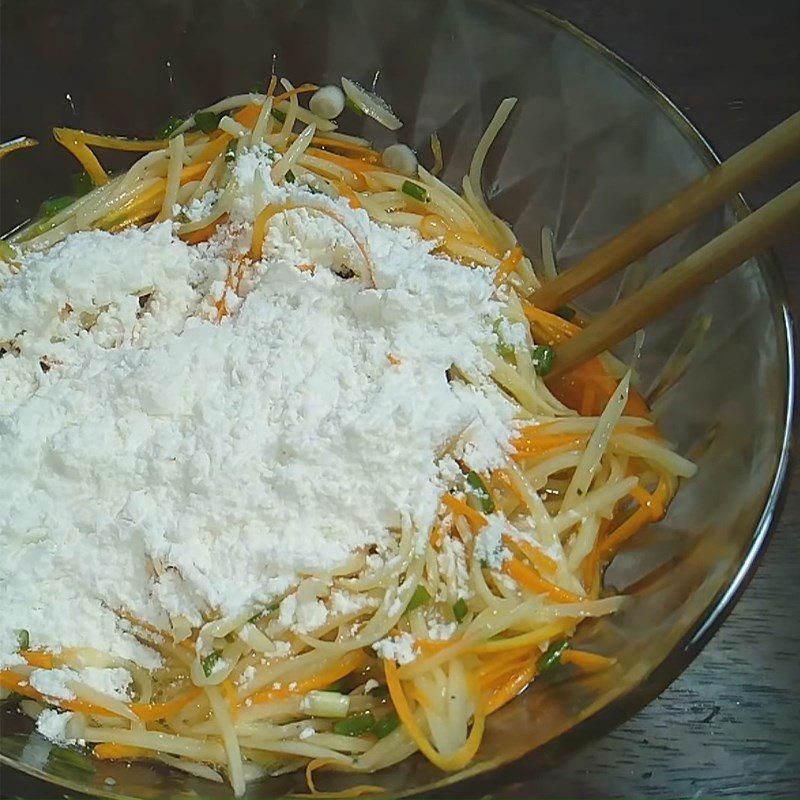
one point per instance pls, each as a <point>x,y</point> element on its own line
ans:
<point>730,725</point>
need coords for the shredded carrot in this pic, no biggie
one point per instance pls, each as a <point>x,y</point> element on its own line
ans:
<point>345,191</point>
<point>429,647</point>
<point>527,640</point>
<point>530,446</point>
<point>532,581</point>
<point>112,142</point>
<point>215,147</point>
<point>508,265</point>
<point>502,478</point>
<point>38,658</point>
<point>586,661</point>
<point>201,234</point>
<point>364,153</point>
<point>651,510</point>
<point>355,791</point>
<point>344,666</point>
<point>109,751</point>
<point>150,712</point>
<point>437,534</point>
<point>19,684</point>
<point>353,164</point>
<point>463,755</point>
<point>541,562</point>
<point>459,506</point>
<point>229,693</point>
<point>86,157</point>
<point>503,694</point>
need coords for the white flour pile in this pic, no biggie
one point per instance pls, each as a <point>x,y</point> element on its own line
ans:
<point>157,461</point>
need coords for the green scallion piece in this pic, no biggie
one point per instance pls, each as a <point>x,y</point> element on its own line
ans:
<point>383,727</point>
<point>206,121</point>
<point>355,726</point>
<point>209,662</point>
<point>565,312</point>
<point>420,597</point>
<point>278,114</point>
<point>415,190</point>
<point>72,758</point>
<point>353,106</point>
<point>460,609</point>
<point>552,655</point>
<point>543,358</point>
<point>170,126</point>
<point>23,639</point>
<point>504,349</point>
<point>290,176</point>
<point>81,184</point>
<point>475,482</point>
<point>52,206</point>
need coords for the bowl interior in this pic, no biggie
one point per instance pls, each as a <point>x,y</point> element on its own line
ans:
<point>589,148</point>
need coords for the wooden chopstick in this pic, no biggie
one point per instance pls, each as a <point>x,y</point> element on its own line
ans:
<point>723,182</point>
<point>714,259</point>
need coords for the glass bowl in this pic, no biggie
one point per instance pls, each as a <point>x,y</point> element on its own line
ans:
<point>591,147</point>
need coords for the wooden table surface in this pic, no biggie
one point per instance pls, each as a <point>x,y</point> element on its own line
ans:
<point>730,725</point>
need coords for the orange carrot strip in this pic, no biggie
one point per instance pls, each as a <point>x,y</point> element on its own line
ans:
<point>86,157</point>
<point>38,658</point>
<point>201,234</point>
<point>586,661</point>
<point>542,562</point>
<point>344,666</point>
<point>108,751</point>
<point>353,164</point>
<point>19,684</point>
<point>532,581</point>
<point>510,689</point>
<point>459,506</point>
<point>507,265</point>
<point>150,712</point>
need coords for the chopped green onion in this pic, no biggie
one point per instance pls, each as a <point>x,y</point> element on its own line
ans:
<point>290,176</point>
<point>421,595</point>
<point>385,726</point>
<point>326,704</point>
<point>52,206</point>
<point>352,105</point>
<point>81,184</point>
<point>565,312</point>
<point>504,349</point>
<point>170,126</point>
<point>209,662</point>
<point>7,251</point>
<point>355,726</point>
<point>475,482</point>
<point>206,121</point>
<point>460,609</point>
<point>336,686</point>
<point>415,190</point>
<point>543,358</point>
<point>278,114</point>
<point>230,152</point>
<point>552,655</point>
<point>72,758</point>
<point>23,639</point>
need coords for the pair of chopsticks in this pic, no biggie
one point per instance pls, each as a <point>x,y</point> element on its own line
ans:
<point>710,262</point>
